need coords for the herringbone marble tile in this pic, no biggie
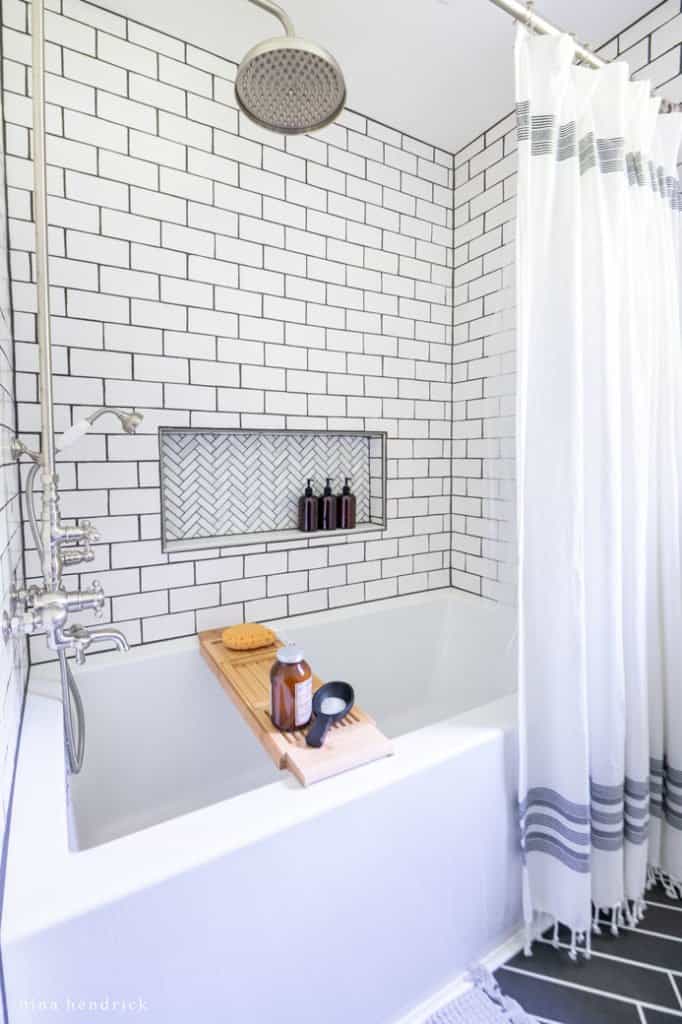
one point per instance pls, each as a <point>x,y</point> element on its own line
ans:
<point>215,483</point>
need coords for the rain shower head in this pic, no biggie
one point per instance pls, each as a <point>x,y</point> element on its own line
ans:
<point>287,84</point>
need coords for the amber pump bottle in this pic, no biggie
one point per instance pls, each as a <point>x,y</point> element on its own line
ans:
<point>328,508</point>
<point>291,689</point>
<point>308,512</point>
<point>347,507</point>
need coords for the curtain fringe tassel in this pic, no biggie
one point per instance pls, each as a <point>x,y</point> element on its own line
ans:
<point>596,930</point>
<point>672,886</point>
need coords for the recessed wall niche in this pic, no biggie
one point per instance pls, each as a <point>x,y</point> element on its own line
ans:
<point>226,487</point>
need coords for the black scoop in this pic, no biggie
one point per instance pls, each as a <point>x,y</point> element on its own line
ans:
<point>320,727</point>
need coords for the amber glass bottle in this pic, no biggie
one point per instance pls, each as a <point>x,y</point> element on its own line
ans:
<point>347,505</point>
<point>291,688</point>
<point>308,513</point>
<point>328,508</point>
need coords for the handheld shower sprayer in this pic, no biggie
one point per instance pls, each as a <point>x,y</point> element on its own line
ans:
<point>129,421</point>
<point>50,609</point>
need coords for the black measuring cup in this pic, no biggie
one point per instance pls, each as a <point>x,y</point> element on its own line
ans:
<point>336,691</point>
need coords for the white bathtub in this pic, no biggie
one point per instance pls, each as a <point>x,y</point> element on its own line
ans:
<point>182,873</point>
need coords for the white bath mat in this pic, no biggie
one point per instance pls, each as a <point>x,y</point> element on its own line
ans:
<point>482,1004</point>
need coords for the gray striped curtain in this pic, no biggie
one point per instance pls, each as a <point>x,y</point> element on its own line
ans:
<point>599,446</point>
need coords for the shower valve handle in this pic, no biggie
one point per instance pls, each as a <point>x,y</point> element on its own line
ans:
<point>74,556</point>
<point>66,603</point>
<point>83,537</point>
<point>82,533</point>
<point>90,537</point>
<point>90,532</point>
<point>20,624</point>
<point>93,598</point>
<point>98,590</point>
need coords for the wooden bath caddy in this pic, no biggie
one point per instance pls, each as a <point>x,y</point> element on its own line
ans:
<point>245,678</point>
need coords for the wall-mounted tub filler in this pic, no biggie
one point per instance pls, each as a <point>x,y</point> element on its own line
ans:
<point>288,84</point>
<point>46,608</point>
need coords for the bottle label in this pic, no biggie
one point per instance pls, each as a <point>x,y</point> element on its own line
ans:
<point>303,702</point>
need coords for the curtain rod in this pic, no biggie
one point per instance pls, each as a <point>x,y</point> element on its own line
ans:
<point>524,12</point>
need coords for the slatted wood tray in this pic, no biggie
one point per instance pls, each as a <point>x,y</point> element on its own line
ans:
<point>245,677</point>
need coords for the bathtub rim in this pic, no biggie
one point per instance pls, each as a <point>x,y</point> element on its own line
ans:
<point>43,679</point>
<point>47,883</point>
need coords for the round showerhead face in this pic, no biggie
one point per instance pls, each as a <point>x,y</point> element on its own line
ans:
<point>290,86</point>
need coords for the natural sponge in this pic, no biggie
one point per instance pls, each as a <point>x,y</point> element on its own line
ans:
<point>249,636</point>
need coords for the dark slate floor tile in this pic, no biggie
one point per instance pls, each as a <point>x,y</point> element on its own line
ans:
<point>635,945</point>
<point>604,974</point>
<point>665,920</point>
<point>658,895</point>
<point>660,1017</point>
<point>561,1003</point>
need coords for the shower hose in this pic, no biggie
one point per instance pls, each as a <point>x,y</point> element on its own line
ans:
<point>71,698</point>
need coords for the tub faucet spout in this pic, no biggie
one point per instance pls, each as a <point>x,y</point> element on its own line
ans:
<point>81,637</point>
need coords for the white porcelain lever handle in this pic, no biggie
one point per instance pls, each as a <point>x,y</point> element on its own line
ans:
<point>73,434</point>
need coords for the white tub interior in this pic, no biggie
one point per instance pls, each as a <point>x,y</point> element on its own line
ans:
<point>163,739</point>
<point>155,877</point>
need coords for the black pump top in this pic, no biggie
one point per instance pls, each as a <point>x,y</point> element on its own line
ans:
<point>309,490</point>
<point>346,486</point>
<point>328,488</point>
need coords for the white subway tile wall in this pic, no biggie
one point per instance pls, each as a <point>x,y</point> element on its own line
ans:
<point>14,655</point>
<point>484,342</point>
<point>215,275</point>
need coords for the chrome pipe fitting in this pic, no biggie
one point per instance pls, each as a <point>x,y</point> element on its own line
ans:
<point>58,545</point>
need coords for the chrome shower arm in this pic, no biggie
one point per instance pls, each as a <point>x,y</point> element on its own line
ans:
<point>273,8</point>
<point>129,420</point>
<point>103,411</point>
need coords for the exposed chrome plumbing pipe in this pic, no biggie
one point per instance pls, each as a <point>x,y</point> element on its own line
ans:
<point>47,608</point>
<point>41,256</point>
<point>50,514</point>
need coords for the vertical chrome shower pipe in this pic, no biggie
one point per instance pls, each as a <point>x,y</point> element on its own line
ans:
<point>50,501</point>
<point>48,608</point>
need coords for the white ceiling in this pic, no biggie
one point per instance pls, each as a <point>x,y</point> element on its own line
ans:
<point>438,69</point>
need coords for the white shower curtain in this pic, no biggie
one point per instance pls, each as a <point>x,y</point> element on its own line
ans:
<point>599,448</point>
